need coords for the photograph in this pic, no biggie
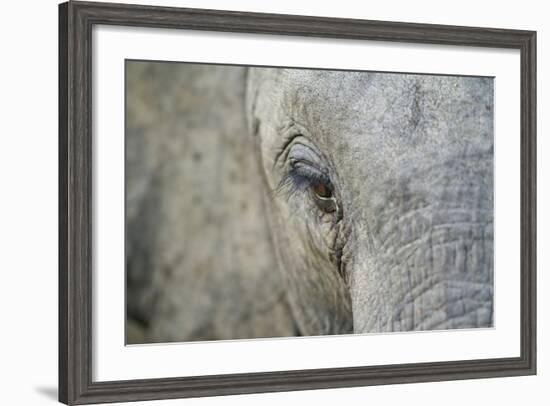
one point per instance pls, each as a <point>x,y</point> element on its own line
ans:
<point>266,201</point>
<point>254,201</point>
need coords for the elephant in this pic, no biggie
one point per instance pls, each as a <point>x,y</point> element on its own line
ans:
<point>335,202</point>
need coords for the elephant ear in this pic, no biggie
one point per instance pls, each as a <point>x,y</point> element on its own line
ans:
<point>200,263</point>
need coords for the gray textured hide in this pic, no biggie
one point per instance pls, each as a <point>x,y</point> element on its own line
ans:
<point>410,160</point>
<point>226,239</point>
<point>200,264</point>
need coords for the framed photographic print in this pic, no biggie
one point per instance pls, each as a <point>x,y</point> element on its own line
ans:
<point>256,202</point>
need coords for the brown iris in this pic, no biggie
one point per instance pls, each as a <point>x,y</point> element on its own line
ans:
<point>321,191</point>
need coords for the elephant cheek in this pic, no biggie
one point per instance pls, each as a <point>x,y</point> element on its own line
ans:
<point>441,278</point>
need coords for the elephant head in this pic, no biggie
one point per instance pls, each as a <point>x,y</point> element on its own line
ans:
<point>379,193</point>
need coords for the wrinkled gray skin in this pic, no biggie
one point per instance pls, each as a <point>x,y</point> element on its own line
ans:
<point>221,244</point>
<point>410,158</point>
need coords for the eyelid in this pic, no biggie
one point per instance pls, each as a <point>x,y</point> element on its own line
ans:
<point>310,172</point>
<point>300,151</point>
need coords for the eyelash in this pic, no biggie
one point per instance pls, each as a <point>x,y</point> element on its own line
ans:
<point>300,178</point>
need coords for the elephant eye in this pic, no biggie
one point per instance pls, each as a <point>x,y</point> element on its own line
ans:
<point>323,197</point>
<point>303,176</point>
<point>321,191</point>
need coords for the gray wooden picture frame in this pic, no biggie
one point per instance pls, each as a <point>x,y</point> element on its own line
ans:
<point>76,20</point>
